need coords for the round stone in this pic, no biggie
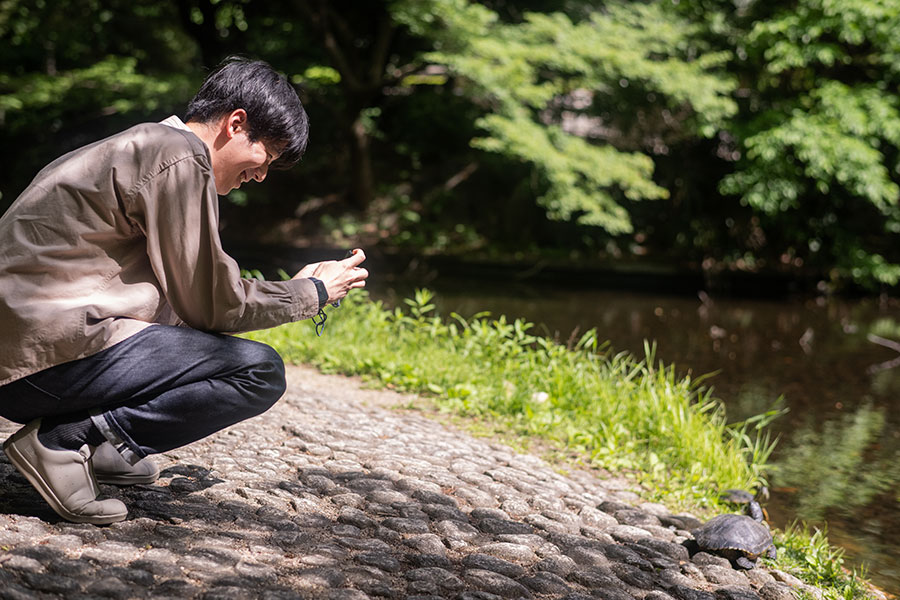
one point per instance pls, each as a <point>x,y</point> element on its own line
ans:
<point>381,560</point>
<point>492,563</point>
<point>402,525</point>
<point>544,582</point>
<point>511,552</point>
<point>437,578</point>
<point>495,583</point>
<point>426,543</point>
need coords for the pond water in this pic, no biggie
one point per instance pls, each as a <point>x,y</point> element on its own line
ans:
<point>833,364</point>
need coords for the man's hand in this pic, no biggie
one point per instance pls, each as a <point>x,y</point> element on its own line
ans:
<point>339,276</point>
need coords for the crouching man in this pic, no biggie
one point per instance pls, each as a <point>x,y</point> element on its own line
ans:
<point>116,295</point>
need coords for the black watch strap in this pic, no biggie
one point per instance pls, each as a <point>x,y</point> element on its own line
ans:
<point>320,289</point>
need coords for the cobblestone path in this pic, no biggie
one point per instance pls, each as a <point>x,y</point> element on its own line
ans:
<point>334,493</point>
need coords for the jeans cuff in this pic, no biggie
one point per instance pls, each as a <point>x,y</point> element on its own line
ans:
<point>112,434</point>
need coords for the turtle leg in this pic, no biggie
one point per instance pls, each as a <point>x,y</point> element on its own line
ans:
<point>771,552</point>
<point>744,562</point>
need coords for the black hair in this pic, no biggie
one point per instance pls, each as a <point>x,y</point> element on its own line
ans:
<point>274,112</point>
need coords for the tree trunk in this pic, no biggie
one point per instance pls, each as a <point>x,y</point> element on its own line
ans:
<point>362,183</point>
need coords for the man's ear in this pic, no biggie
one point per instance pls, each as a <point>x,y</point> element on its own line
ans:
<point>236,121</point>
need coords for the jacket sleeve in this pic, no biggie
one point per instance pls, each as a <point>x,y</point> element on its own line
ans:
<point>177,210</point>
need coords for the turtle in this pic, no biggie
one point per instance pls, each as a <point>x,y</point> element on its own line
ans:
<point>743,497</point>
<point>750,501</point>
<point>737,496</point>
<point>739,538</point>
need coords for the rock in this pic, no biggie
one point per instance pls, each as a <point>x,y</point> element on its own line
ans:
<point>704,559</point>
<point>658,595</point>
<point>402,525</point>
<point>486,562</point>
<point>689,593</point>
<point>544,582</point>
<point>587,556</point>
<point>776,591</point>
<point>503,526</point>
<point>543,523</point>
<point>635,517</point>
<point>478,596</point>
<point>736,593</point>
<point>442,512</point>
<point>429,497</point>
<point>617,553</point>
<point>426,543</point>
<point>18,562</point>
<point>787,578</point>
<point>456,530</point>
<point>628,533</point>
<point>759,577</point>
<point>381,560</point>
<point>434,579</point>
<point>676,552</point>
<point>559,565</point>
<point>52,584</point>
<point>358,518</point>
<point>611,507</point>
<point>495,583</point>
<point>635,577</point>
<point>429,560</point>
<point>476,497</point>
<point>109,587</point>
<point>724,575</point>
<point>596,578</point>
<point>597,518</point>
<point>511,552</point>
<point>672,577</point>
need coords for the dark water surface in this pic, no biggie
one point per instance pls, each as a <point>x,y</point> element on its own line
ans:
<point>828,361</point>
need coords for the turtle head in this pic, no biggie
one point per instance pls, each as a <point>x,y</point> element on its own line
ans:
<point>755,511</point>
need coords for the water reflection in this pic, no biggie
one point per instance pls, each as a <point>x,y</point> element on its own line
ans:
<point>841,465</point>
<point>834,364</point>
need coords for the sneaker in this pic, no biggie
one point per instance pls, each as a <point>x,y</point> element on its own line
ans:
<point>64,478</point>
<point>111,468</point>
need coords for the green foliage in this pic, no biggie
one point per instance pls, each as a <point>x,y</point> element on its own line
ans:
<point>548,79</point>
<point>821,137</point>
<point>834,141</point>
<point>618,411</point>
<point>109,86</point>
<point>813,559</point>
<point>569,110</point>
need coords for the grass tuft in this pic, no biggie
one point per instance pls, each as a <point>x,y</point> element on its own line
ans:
<point>621,412</point>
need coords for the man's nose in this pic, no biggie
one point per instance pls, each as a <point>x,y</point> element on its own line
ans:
<point>259,174</point>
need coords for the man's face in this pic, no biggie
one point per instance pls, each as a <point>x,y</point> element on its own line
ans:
<point>235,158</point>
<point>240,160</point>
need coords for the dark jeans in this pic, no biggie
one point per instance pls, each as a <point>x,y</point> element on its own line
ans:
<point>160,389</point>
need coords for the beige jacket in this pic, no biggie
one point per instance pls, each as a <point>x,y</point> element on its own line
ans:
<point>116,236</point>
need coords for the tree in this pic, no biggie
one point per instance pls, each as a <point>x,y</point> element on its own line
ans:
<point>73,71</point>
<point>819,134</point>
<point>581,100</point>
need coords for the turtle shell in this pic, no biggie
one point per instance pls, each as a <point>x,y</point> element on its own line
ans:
<point>736,496</point>
<point>734,532</point>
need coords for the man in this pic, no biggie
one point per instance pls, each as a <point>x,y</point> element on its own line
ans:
<point>115,294</point>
